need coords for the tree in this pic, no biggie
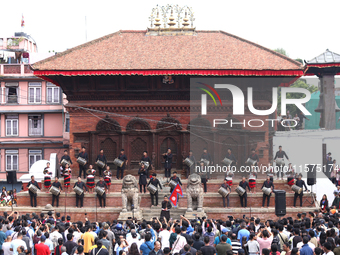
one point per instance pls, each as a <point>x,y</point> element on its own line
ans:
<point>281,51</point>
<point>297,84</point>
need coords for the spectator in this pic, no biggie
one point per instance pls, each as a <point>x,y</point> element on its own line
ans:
<point>41,248</point>
<point>106,242</point>
<point>273,250</point>
<point>197,242</point>
<point>166,251</point>
<point>7,245</point>
<point>157,249</point>
<point>286,249</point>
<point>336,250</point>
<point>99,250</point>
<point>327,247</point>
<point>252,245</point>
<point>63,250</point>
<point>48,242</point>
<point>16,243</point>
<point>134,249</point>
<point>88,240</point>
<point>243,232</point>
<point>164,236</point>
<point>208,249</point>
<point>264,238</point>
<point>210,231</point>
<point>179,242</point>
<point>79,243</point>
<point>235,244</point>
<point>21,250</point>
<point>305,249</point>
<point>69,244</point>
<point>223,246</point>
<point>218,238</point>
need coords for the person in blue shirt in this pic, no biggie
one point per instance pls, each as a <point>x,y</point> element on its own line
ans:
<point>9,231</point>
<point>148,245</point>
<point>305,249</point>
<point>243,232</point>
<point>2,238</point>
<point>218,238</point>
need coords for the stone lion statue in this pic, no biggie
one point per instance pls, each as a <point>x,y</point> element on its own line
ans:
<point>194,193</point>
<point>130,193</point>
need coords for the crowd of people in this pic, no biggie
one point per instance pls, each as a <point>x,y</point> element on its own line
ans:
<point>306,234</point>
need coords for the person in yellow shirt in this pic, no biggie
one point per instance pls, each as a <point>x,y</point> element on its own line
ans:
<point>88,240</point>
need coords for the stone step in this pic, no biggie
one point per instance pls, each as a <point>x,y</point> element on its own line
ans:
<point>112,213</point>
<point>114,199</point>
<point>212,185</point>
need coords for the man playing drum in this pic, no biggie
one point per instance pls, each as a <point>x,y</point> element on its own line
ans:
<point>155,182</point>
<point>227,187</point>
<point>269,185</point>
<point>279,155</point>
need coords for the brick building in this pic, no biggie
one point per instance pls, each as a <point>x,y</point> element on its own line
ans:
<point>117,97</point>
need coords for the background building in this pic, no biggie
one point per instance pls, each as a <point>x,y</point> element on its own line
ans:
<point>33,122</point>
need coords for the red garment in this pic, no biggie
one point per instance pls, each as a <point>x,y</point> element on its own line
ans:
<point>25,55</point>
<point>42,249</point>
<point>252,183</point>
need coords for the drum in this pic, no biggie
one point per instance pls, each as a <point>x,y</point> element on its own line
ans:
<point>223,192</point>
<point>240,191</point>
<point>33,188</point>
<point>64,162</point>
<point>78,190</point>
<point>101,164</point>
<point>146,164</point>
<point>100,191</point>
<point>296,189</point>
<point>227,161</point>
<point>118,162</point>
<point>54,190</point>
<point>267,191</point>
<point>152,189</point>
<point>206,162</point>
<point>250,162</point>
<point>280,162</point>
<point>81,161</point>
<point>188,162</point>
<point>172,184</point>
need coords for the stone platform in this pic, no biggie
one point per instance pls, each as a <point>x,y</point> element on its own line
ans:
<point>212,204</point>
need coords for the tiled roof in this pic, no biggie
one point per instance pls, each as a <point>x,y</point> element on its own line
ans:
<point>134,50</point>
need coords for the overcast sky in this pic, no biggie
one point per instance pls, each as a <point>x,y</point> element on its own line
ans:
<point>304,29</point>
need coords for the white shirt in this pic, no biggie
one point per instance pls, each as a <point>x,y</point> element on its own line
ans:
<point>329,253</point>
<point>136,241</point>
<point>5,248</point>
<point>16,243</point>
<point>164,235</point>
<point>180,242</point>
<point>31,234</point>
<point>76,236</point>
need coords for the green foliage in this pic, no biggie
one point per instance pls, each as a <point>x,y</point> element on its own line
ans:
<point>297,84</point>
<point>299,60</point>
<point>281,51</point>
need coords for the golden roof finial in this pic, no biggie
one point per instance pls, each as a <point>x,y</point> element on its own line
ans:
<point>171,18</point>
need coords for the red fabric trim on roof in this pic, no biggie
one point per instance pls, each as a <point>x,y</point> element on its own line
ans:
<point>174,72</point>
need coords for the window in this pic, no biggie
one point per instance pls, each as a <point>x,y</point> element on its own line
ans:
<point>12,125</point>
<point>34,156</point>
<point>12,160</point>
<point>35,125</point>
<point>67,125</point>
<point>53,93</point>
<point>34,93</point>
<point>1,42</point>
<point>12,92</point>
